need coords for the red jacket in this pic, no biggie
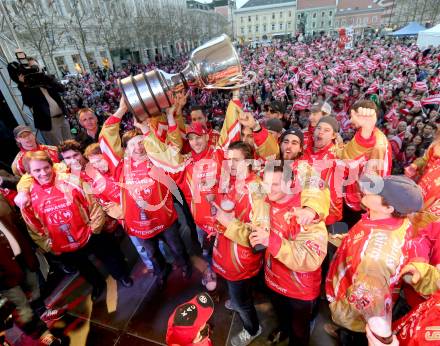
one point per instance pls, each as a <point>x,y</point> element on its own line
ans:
<point>198,181</point>
<point>360,150</point>
<point>294,255</point>
<point>324,160</point>
<point>428,250</point>
<point>146,199</point>
<point>420,326</point>
<point>380,246</point>
<point>147,204</point>
<point>60,214</point>
<point>108,194</point>
<point>308,137</point>
<point>232,257</point>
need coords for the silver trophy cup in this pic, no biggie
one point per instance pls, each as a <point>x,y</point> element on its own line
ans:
<point>214,65</point>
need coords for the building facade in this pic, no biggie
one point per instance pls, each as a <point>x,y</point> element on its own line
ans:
<point>359,14</point>
<point>69,36</point>
<point>315,16</point>
<point>400,12</point>
<point>265,19</point>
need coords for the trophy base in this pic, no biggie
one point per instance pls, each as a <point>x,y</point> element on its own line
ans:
<point>146,94</point>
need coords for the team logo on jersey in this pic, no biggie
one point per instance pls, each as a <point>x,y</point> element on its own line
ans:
<point>314,247</point>
<point>59,217</point>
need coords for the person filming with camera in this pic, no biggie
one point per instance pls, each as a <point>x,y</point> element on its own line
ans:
<point>41,92</point>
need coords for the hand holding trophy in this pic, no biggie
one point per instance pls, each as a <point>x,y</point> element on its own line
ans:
<point>214,65</point>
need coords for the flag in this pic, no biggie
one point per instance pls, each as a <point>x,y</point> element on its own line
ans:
<point>396,142</point>
<point>301,104</point>
<point>373,88</point>
<point>431,100</point>
<point>330,89</point>
<point>413,103</point>
<point>392,117</point>
<point>420,86</point>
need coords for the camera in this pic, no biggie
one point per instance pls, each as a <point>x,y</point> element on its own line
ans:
<point>33,77</point>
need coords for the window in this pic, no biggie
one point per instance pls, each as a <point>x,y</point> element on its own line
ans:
<point>273,15</point>
<point>299,16</point>
<point>289,24</point>
<point>281,26</point>
<point>249,18</point>
<point>322,14</point>
<point>322,24</point>
<point>249,28</point>
<point>241,19</point>
<point>273,27</point>
<point>281,14</point>
<point>330,13</point>
<point>256,28</point>
<point>242,30</point>
<point>264,18</point>
<point>264,27</point>
<point>374,19</point>
<point>290,13</point>
<point>59,60</point>
<point>329,23</point>
<point>313,25</point>
<point>314,15</point>
<point>256,17</point>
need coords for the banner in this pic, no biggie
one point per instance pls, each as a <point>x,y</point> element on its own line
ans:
<point>349,40</point>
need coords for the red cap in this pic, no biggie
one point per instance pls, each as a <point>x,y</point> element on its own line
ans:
<point>188,318</point>
<point>198,128</point>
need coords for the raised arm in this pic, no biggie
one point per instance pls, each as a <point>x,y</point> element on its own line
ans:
<point>109,138</point>
<point>230,131</point>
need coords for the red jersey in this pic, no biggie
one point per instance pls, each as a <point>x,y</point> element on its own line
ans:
<point>232,256</point>
<point>420,327</point>
<point>147,204</point>
<point>146,199</point>
<point>294,255</point>
<point>374,153</point>
<point>199,182</point>
<point>108,194</point>
<point>9,195</point>
<point>18,166</point>
<point>308,137</point>
<point>429,183</point>
<point>324,161</point>
<point>380,246</point>
<point>59,212</point>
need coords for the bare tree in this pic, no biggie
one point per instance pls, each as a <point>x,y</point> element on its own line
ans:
<point>78,25</point>
<point>36,27</point>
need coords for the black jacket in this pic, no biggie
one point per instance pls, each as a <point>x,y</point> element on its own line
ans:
<point>34,99</point>
<point>85,140</point>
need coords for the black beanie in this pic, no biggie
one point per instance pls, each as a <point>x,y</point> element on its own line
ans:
<point>293,131</point>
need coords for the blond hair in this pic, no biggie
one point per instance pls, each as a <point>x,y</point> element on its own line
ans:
<point>92,149</point>
<point>39,155</point>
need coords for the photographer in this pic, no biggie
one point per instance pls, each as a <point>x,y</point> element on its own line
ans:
<point>41,93</point>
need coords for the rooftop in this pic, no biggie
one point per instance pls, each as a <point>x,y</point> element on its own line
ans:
<point>306,4</point>
<point>254,3</point>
